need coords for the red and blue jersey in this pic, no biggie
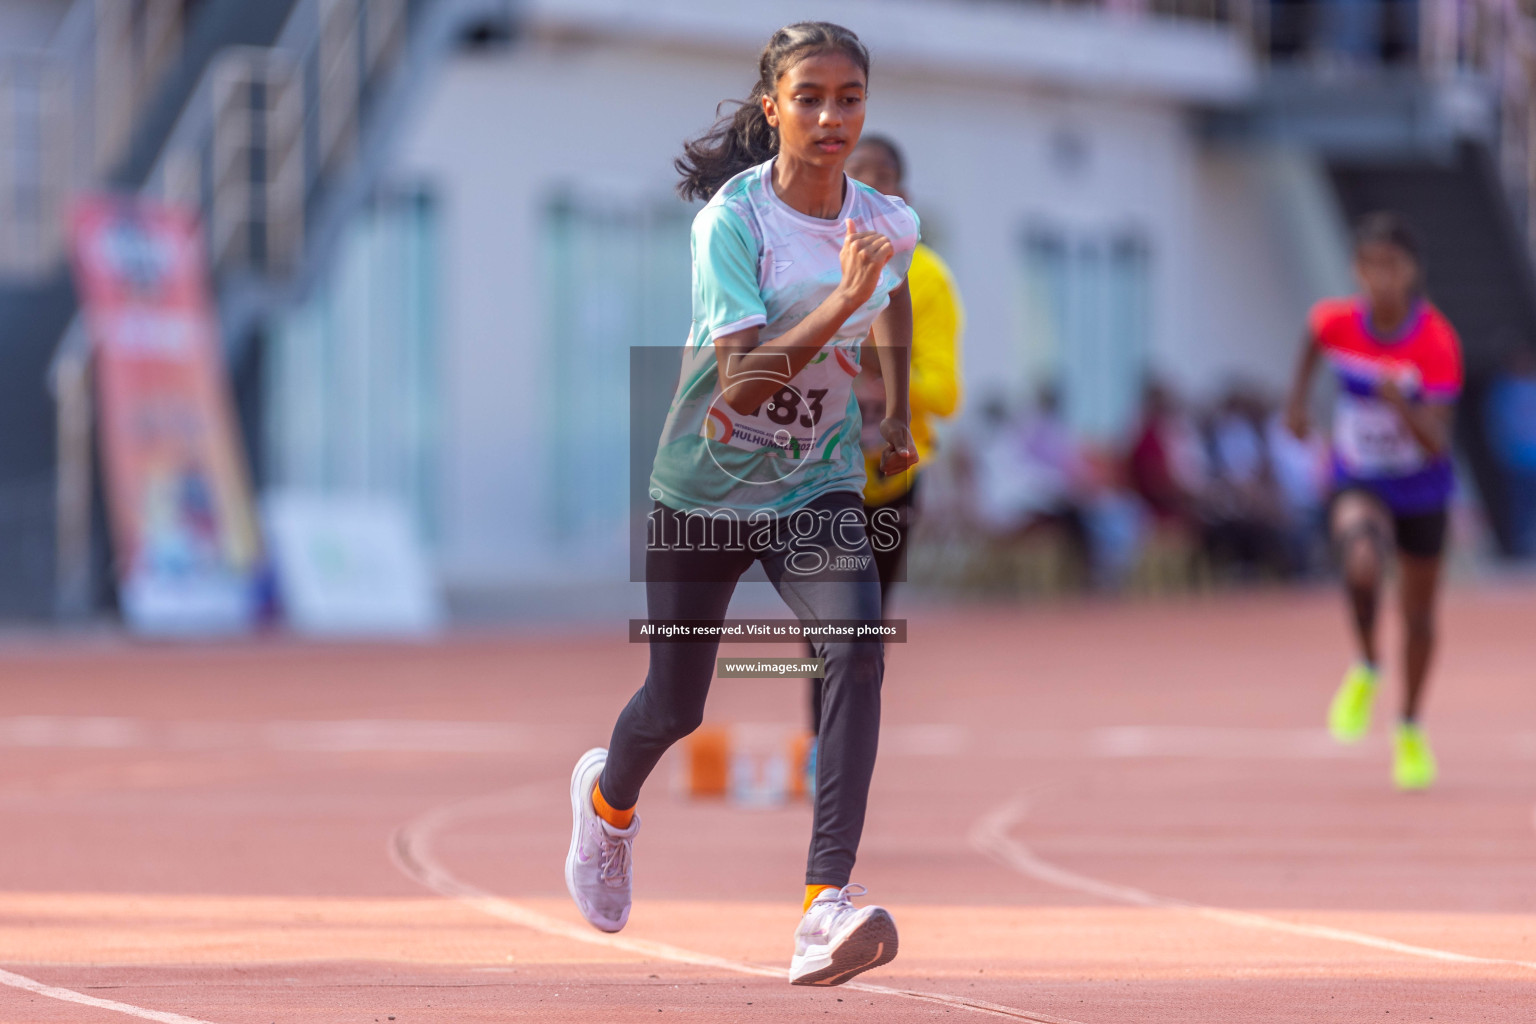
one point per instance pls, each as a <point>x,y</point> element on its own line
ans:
<point>1372,446</point>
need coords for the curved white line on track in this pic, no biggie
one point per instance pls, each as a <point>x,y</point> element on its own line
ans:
<point>990,836</point>
<point>71,996</point>
<point>411,850</point>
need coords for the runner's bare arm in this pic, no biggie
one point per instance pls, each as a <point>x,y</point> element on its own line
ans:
<point>1428,422</point>
<point>1296,417</point>
<point>864,256</point>
<point>892,335</point>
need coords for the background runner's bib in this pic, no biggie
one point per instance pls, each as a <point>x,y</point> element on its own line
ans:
<point>1372,439</point>
<point>799,419</point>
<point>1372,446</point>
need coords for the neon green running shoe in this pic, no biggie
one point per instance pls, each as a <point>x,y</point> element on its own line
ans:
<point>1349,716</point>
<point>1413,763</point>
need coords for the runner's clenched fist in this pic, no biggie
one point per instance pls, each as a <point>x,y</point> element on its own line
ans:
<point>864,255</point>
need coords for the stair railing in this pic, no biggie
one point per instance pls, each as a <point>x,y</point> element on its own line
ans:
<point>268,127</point>
<point>1494,40</point>
<point>255,211</point>
<point>67,114</point>
<point>35,162</point>
<point>266,133</point>
<point>1487,46</point>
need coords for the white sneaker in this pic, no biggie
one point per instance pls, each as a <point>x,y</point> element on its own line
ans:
<point>598,870</point>
<point>837,940</point>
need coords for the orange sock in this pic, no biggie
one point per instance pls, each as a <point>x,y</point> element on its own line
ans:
<point>811,892</point>
<point>612,815</point>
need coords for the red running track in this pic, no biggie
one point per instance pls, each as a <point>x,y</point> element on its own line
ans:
<point>1120,813</point>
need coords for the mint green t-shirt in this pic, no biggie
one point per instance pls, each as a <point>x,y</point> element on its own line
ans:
<point>759,262</point>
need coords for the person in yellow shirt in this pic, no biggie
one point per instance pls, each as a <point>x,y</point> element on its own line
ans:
<point>934,385</point>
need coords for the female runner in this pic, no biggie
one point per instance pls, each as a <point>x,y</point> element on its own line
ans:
<point>794,264</point>
<point>1398,362</point>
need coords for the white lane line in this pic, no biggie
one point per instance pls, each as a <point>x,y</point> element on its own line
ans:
<point>361,735</point>
<point>990,836</point>
<point>71,996</point>
<point>388,735</point>
<point>411,850</point>
<point>1141,741</point>
<point>98,732</point>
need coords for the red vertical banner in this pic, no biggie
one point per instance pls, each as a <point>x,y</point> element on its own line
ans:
<point>183,522</point>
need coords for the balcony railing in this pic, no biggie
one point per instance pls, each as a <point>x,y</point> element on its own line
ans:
<point>35,162</point>
<point>268,126</point>
<point>1487,44</point>
<point>67,114</point>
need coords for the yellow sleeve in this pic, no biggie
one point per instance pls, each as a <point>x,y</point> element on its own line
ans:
<point>936,323</point>
<point>934,384</point>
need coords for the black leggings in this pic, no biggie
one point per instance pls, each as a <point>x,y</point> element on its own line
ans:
<point>691,576</point>
<point>889,563</point>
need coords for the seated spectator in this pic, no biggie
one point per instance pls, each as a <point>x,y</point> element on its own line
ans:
<point>1167,467</point>
<point>1242,513</point>
<point>1301,475</point>
<point>1034,476</point>
<point>1027,468</point>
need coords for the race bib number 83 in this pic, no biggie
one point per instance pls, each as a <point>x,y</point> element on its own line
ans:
<point>797,419</point>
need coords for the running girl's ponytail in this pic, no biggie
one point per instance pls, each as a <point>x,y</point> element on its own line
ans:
<point>744,138</point>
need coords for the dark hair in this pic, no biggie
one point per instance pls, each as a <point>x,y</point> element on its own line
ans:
<point>891,150</point>
<point>745,138</point>
<point>1387,228</point>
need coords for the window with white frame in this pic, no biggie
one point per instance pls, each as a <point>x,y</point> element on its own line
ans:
<point>617,275</point>
<point>1086,323</point>
<point>351,398</point>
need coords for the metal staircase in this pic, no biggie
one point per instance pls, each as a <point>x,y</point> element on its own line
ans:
<point>68,116</point>
<point>280,146</point>
<point>272,120</point>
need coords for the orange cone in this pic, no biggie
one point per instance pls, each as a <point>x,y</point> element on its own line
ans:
<point>709,761</point>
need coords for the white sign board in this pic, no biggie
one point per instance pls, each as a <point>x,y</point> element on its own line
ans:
<point>349,566</point>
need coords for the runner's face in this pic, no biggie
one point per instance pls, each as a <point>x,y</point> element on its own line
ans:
<point>874,167</point>
<point>818,109</point>
<point>1386,274</point>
